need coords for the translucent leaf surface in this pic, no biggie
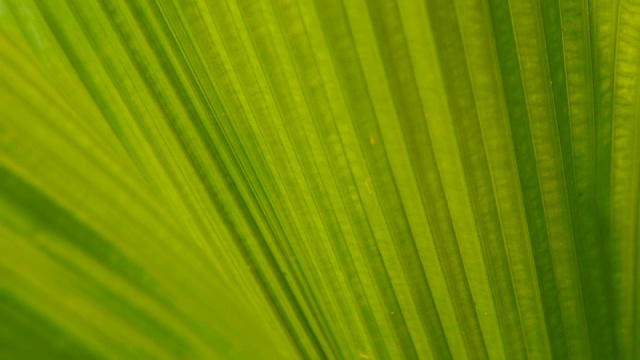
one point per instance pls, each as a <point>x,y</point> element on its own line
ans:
<point>319,179</point>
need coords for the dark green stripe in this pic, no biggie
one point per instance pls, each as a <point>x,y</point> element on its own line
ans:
<point>528,172</point>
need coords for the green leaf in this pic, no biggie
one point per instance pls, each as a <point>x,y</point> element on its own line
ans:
<point>359,179</point>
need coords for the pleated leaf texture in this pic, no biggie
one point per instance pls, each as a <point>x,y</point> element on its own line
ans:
<point>319,179</point>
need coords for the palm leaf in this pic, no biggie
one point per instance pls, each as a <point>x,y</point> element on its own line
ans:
<point>319,179</point>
